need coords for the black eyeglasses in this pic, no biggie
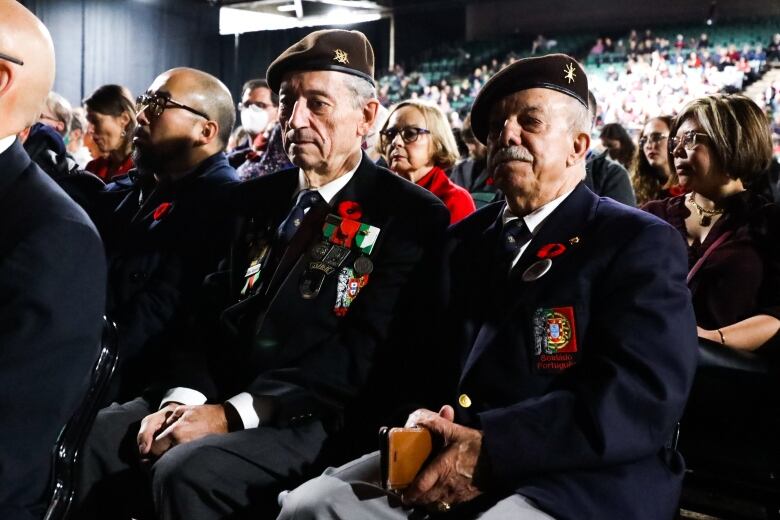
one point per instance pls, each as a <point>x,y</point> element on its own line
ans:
<point>258,104</point>
<point>409,134</point>
<point>6,57</point>
<point>157,103</point>
<point>689,140</point>
<point>655,137</point>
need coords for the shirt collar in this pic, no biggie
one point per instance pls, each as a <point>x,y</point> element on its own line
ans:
<point>536,218</point>
<point>6,142</point>
<point>329,190</point>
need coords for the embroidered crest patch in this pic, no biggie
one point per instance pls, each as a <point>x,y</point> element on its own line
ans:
<point>555,339</point>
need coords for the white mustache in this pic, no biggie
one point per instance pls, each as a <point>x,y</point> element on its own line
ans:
<point>511,153</point>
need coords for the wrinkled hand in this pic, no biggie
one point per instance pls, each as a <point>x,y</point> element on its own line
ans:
<point>448,477</point>
<point>182,424</point>
<point>151,425</point>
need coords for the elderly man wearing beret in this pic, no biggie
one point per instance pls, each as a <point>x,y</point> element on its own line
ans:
<point>571,326</point>
<point>288,334</point>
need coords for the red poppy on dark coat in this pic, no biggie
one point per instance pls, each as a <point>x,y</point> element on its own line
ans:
<point>162,210</point>
<point>551,250</point>
<point>349,209</point>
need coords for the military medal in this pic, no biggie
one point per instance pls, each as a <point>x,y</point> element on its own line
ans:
<point>536,270</point>
<point>363,265</point>
<point>255,268</point>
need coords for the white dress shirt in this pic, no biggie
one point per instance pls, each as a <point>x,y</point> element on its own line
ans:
<point>6,142</point>
<point>244,403</point>
<point>533,220</point>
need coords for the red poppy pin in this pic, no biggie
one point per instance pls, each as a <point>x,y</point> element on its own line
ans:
<point>350,210</point>
<point>162,210</point>
<point>551,250</point>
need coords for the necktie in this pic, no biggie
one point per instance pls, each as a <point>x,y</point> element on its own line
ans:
<point>514,236</point>
<point>306,199</point>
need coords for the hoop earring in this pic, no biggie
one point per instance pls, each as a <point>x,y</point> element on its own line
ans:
<point>123,134</point>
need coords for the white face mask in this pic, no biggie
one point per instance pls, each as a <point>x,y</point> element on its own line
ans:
<point>254,119</point>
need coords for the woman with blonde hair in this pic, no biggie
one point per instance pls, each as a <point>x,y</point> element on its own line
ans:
<point>418,144</point>
<point>718,144</point>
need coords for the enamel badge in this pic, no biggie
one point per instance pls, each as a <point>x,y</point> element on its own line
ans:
<point>555,339</point>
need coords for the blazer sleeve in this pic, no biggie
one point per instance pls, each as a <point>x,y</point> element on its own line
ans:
<point>52,298</point>
<point>622,401</point>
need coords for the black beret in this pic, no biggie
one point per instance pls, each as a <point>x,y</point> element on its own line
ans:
<point>554,71</point>
<point>330,49</point>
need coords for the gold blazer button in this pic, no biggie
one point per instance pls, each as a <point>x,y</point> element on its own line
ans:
<point>464,400</point>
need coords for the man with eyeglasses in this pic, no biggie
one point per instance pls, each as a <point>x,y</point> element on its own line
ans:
<point>166,232</point>
<point>52,280</point>
<point>285,346</point>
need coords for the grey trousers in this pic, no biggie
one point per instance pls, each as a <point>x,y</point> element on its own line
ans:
<point>236,475</point>
<point>352,492</point>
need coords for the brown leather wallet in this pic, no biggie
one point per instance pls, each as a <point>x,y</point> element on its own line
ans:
<point>403,452</point>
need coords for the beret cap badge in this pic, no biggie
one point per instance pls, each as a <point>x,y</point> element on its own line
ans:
<point>341,56</point>
<point>570,75</point>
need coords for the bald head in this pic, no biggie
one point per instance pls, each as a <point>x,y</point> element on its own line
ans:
<point>23,88</point>
<point>203,92</point>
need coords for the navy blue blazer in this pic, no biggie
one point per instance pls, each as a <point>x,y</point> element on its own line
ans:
<point>52,298</point>
<point>162,239</point>
<point>578,377</point>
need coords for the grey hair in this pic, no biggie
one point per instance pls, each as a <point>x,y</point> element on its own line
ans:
<point>580,119</point>
<point>61,108</point>
<point>361,90</point>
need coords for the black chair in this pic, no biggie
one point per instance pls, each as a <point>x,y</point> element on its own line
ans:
<point>729,437</point>
<point>73,435</point>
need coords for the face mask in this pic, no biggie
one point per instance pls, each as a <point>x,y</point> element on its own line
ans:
<point>254,119</point>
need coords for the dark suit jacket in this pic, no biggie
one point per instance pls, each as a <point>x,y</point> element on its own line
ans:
<point>296,354</point>
<point>52,297</point>
<point>608,178</point>
<point>580,430</point>
<point>159,253</point>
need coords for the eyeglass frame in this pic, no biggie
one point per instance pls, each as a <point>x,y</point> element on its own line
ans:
<point>659,136</point>
<point>142,103</point>
<point>385,134</point>
<point>6,57</point>
<point>689,136</point>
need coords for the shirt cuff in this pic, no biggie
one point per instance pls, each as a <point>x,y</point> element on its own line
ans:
<point>245,406</point>
<point>183,395</point>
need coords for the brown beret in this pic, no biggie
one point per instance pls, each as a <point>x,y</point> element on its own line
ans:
<point>554,71</point>
<point>330,49</point>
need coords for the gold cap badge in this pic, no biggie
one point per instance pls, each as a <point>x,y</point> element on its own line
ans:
<point>569,70</point>
<point>341,56</point>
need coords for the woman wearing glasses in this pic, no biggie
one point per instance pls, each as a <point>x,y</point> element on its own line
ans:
<point>719,144</point>
<point>417,143</point>
<point>111,116</point>
<point>651,174</point>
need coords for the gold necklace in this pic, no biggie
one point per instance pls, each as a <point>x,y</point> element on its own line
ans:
<point>705,215</point>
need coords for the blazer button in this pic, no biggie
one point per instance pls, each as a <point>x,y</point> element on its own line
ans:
<point>464,400</point>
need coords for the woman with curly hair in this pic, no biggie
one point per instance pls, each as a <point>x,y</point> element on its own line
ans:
<point>651,175</point>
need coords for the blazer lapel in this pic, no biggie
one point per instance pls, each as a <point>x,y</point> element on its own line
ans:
<point>490,262</point>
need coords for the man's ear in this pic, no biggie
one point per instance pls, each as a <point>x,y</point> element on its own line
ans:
<point>579,150</point>
<point>7,77</point>
<point>369,116</point>
<point>208,132</point>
